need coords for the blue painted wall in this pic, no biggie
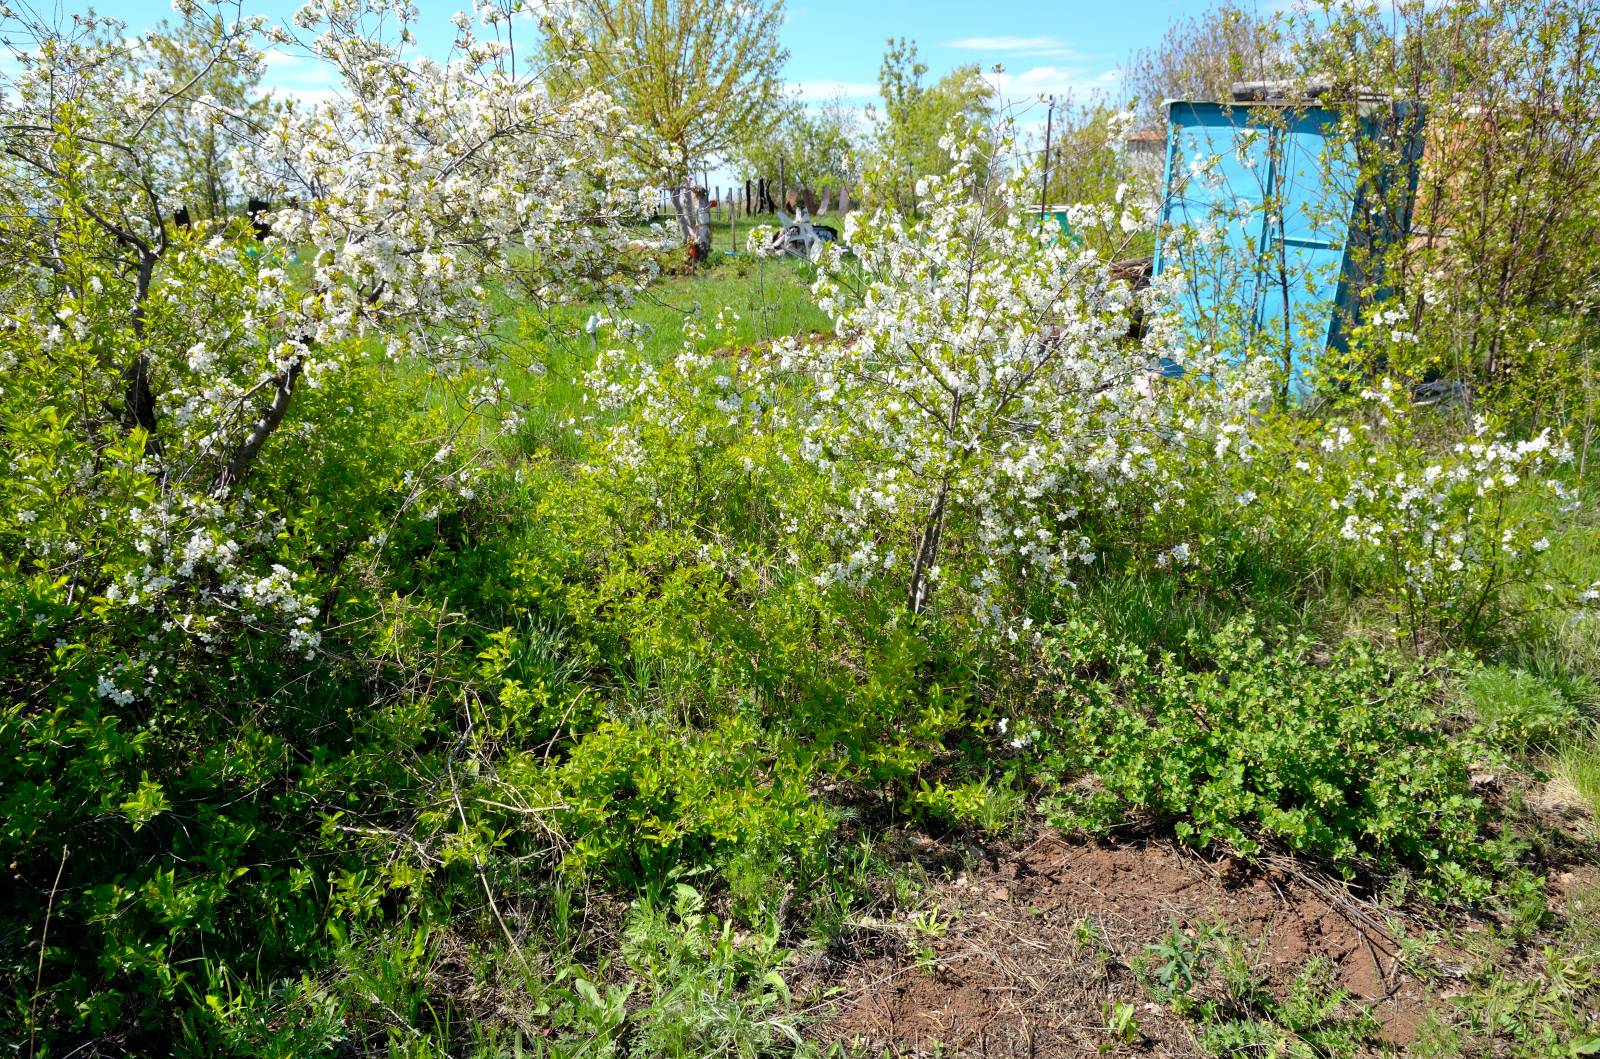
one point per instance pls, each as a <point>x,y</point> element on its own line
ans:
<point>1281,276</point>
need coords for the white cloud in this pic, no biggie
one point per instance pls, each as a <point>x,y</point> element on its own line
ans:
<point>278,59</point>
<point>299,77</point>
<point>1042,47</point>
<point>1064,82</point>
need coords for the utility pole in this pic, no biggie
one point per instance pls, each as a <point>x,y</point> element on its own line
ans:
<point>1044,184</point>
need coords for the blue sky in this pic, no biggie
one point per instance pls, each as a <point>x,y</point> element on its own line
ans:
<point>1063,48</point>
<point>1070,49</point>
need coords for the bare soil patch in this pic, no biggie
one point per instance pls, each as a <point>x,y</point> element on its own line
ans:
<point>1041,941</point>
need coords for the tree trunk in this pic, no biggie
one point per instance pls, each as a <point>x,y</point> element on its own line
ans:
<point>928,551</point>
<point>239,463</point>
<point>702,223</point>
<point>680,211</point>
<point>693,209</point>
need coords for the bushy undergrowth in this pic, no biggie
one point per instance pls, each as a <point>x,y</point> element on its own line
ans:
<point>1346,757</point>
<point>610,667</point>
<point>494,716</point>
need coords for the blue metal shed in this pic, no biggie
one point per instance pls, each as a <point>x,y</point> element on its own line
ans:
<point>1272,202</point>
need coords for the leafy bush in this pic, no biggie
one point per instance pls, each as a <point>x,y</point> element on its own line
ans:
<point>1343,757</point>
<point>981,406</point>
<point>1498,292</point>
<point>711,991</point>
<point>641,800</point>
<point>1450,526</point>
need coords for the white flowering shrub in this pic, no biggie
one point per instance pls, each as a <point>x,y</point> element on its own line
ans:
<point>213,442</point>
<point>1453,532</point>
<point>402,209</point>
<point>709,439</point>
<point>983,412</point>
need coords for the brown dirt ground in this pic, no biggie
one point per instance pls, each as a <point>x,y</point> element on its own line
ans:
<point>1012,980</point>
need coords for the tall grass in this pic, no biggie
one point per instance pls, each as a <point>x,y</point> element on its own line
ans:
<point>770,297</point>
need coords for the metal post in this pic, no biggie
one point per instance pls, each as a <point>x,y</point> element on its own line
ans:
<point>1044,185</point>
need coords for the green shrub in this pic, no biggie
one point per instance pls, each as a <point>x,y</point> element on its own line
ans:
<point>709,990</point>
<point>1344,758</point>
<point>642,800</point>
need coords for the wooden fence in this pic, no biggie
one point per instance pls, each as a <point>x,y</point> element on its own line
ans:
<point>758,195</point>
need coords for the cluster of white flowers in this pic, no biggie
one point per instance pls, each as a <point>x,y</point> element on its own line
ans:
<point>107,688</point>
<point>759,241</point>
<point>984,377</point>
<point>1448,530</point>
<point>399,208</point>
<point>1393,508</point>
<point>1397,323</point>
<point>1175,557</point>
<point>428,185</point>
<point>1018,736</point>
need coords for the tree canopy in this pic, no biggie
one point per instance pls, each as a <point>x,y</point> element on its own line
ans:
<point>816,148</point>
<point>1201,56</point>
<point>692,75</point>
<point>917,116</point>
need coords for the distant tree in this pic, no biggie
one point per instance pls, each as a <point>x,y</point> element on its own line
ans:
<point>220,99</point>
<point>1200,57</point>
<point>813,148</point>
<point>1090,163</point>
<point>692,75</point>
<point>1086,152</point>
<point>916,116</point>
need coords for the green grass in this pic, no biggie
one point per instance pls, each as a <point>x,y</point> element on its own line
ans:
<point>552,351</point>
<point>1578,765</point>
<point>1521,711</point>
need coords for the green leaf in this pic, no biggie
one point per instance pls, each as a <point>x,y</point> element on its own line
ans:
<point>148,802</point>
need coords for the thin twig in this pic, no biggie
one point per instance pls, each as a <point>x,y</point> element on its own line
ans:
<point>38,972</point>
<point>477,864</point>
